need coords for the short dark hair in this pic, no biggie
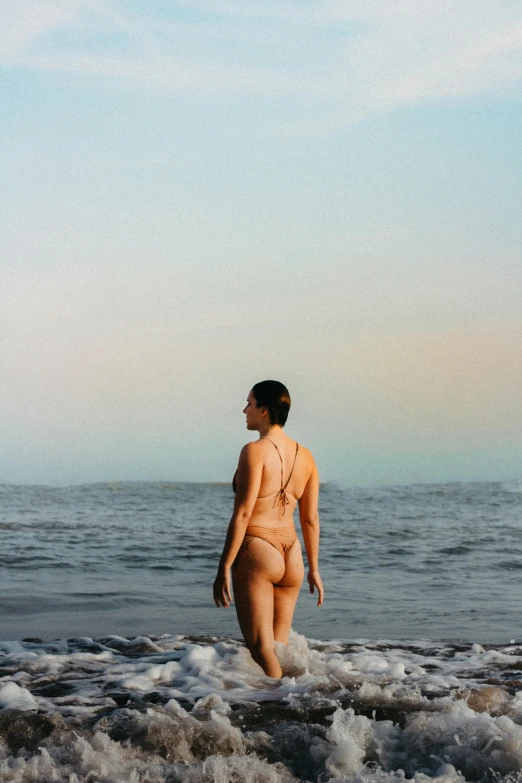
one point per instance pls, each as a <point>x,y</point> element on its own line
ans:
<point>275,397</point>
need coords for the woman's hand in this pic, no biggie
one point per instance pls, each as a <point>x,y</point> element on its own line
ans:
<point>314,580</point>
<point>222,591</point>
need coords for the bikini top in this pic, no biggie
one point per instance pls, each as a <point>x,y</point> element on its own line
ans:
<point>280,495</point>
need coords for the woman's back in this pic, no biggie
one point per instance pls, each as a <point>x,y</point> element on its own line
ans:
<point>287,467</point>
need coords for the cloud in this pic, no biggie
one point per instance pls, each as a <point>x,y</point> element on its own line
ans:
<point>429,51</point>
<point>26,21</point>
<point>169,74</point>
<point>348,59</point>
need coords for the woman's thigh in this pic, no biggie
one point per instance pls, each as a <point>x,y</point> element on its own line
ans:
<point>286,593</point>
<point>259,567</point>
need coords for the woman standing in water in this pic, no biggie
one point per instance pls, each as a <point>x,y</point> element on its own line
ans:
<point>262,553</point>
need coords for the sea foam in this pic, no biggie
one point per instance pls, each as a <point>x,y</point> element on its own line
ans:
<point>174,708</point>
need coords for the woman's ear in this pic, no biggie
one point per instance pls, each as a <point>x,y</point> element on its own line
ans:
<point>264,411</point>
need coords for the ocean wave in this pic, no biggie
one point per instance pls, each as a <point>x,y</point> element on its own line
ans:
<point>178,708</point>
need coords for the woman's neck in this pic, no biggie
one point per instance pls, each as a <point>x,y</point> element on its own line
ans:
<point>270,431</point>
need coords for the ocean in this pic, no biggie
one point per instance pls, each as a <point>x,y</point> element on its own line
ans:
<point>115,665</point>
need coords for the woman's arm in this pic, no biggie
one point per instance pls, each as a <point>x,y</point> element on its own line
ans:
<point>309,518</point>
<point>248,481</point>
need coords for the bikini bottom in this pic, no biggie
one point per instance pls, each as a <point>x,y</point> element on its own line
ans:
<point>282,537</point>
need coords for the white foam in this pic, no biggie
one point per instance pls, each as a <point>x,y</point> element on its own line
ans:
<point>101,759</point>
<point>12,697</point>
<point>350,738</point>
<point>152,676</point>
<point>196,734</point>
<point>191,670</point>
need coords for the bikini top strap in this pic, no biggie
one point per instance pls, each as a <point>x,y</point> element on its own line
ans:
<point>280,457</point>
<point>293,466</point>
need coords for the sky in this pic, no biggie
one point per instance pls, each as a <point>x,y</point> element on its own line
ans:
<point>196,196</point>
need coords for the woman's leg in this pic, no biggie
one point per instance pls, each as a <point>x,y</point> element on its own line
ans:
<point>286,593</point>
<point>259,567</point>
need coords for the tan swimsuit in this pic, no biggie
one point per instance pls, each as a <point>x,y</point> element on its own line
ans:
<point>282,537</point>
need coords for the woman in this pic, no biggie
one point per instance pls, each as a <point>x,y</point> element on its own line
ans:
<point>262,551</point>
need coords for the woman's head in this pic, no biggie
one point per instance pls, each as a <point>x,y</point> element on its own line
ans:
<point>275,397</point>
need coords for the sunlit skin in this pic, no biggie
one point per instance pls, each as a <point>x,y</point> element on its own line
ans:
<point>265,585</point>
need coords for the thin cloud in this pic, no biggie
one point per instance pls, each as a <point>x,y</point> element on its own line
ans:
<point>371,57</point>
<point>26,21</point>
<point>168,74</point>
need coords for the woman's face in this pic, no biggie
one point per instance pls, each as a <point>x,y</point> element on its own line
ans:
<point>254,415</point>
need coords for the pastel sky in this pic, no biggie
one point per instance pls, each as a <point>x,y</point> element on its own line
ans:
<point>195,196</point>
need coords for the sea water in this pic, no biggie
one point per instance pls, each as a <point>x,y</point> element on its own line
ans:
<point>116,666</point>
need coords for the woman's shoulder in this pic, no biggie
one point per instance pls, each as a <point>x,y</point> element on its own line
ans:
<point>251,449</point>
<point>306,453</point>
<point>311,467</point>
<point>252,445</point>
<point>303,455</point>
